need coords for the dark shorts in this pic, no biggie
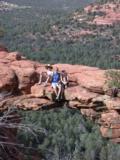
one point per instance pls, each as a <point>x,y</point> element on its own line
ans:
<point>64,85</point>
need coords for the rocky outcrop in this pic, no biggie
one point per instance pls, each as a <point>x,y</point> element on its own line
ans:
<point>106,14</point>
<point>8,79</point>
<point>86,91</point>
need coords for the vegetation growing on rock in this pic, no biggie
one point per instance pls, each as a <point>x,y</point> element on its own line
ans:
<point>113,78</point>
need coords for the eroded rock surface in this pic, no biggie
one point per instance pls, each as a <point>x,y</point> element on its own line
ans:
<point>86,91</point>
<point>108,13</point>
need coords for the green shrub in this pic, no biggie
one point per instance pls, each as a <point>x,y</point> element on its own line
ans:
<point>113,78</point>
<point>2,32</point>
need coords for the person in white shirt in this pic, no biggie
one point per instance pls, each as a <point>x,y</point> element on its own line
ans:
<point>49,74</point>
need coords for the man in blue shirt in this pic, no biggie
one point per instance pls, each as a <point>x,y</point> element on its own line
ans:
<point>56,83</point>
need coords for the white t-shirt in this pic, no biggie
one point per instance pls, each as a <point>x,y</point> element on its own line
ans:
<point>50,73</point>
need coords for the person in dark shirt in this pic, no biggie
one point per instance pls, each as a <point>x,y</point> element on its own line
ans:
<point>64,79</point>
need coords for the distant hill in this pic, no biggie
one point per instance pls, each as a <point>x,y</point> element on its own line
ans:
<point>53,4</point>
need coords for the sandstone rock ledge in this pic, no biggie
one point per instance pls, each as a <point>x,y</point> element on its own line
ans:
<point>19,88</point>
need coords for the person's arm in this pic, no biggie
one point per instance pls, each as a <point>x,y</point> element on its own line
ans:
<point>67,78</point>
<point>40,78</point>
<point>61,79</point>
<point>48,78</point>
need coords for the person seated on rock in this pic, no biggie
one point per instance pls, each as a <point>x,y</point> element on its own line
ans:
<point>64,79</point>
<point>56,83</point>
<point>48,73</point>
<point>64,82</point>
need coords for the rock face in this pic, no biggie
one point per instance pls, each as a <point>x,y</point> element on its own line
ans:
<point>25,71</point>
<point>107,14</point>
<point>19,88</point>
<point>8,79</point>
<point>80,94</point>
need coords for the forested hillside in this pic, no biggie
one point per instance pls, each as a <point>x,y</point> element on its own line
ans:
<point>105,1</point>
<point>56,36</point>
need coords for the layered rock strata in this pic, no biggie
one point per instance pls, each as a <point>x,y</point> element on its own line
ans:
<point>86,91</point>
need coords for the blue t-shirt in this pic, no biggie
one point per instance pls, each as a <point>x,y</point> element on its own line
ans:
<point>56,77</point>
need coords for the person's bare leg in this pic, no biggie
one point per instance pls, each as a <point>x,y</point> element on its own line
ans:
<point>59,92</point>
<point>62,91</point>
<point>56,91</point>
<point>40,79</point>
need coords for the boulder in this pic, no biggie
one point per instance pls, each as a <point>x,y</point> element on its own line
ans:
<point>101,99</point>
<point>26,78</point>
<point>38,91</point>
<point>110,125</point>
<point>89,113</point>
<point>115,124</point>
<point>110,133</point>
<point>115,140</point>
<point>74,104</point>
<point>8,79</point>
<point>80,105</point>
<point>32,103</point>
<point>113,104</point>
<point>26,102</point>
<point>24,64</point>
<point>74,69</point>
<point>80,94</point>
<point>93,80</point>
<point>106,132</point>
<point>5,62</point>
<point>42,91</point>
<point>3,54</point>
<point>26,73</point>
<point>40,68</point>
<point>13,56</point>
<point>110,117</point>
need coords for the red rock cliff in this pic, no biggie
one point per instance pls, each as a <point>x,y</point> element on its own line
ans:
<point>86,91</point>
<point>110,11</point>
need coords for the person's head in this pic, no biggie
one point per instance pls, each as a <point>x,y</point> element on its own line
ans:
<point>49,67</point>
<point>56,69</point>
<point>63,71</point>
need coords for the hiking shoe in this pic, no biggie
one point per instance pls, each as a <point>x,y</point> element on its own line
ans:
<point>57,99</point>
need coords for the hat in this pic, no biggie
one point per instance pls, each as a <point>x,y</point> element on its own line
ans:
<point>49,66</point>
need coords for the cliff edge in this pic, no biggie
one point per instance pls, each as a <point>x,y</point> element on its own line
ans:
<point>86,91</point>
